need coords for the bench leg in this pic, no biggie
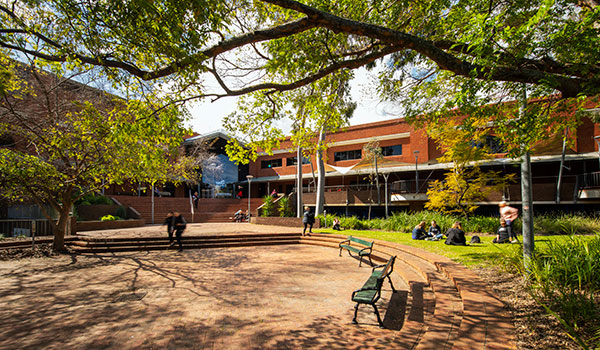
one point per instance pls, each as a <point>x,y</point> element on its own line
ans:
<point>340,251</point>
<point>378,317</point>
<point>391,284</point>
<point>360,261</point>
<point>355,312</point>
<point>370,261</point>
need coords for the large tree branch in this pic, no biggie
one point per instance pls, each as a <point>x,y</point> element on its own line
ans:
<point>569,86</point>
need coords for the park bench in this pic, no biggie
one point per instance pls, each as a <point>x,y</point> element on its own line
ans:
<point>370,292</point>
<point>364,250</point>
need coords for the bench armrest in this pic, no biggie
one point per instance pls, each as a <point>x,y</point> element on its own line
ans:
<point>378,267</point>
<point>344,241</point>
<point>369,248</point>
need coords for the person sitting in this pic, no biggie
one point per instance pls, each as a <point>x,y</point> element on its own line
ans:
<point>456,235</point>
<point>238,216</point>
<point>503,233</point>
<point>419,231</point>
<point>434,232</point>
<point>336,224</point>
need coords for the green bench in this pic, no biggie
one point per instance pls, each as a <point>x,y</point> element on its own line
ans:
<point>371,290</point>
<point>364,250</point>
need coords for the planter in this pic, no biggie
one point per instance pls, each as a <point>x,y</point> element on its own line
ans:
<point>281,221</point>
<point>105,225</point>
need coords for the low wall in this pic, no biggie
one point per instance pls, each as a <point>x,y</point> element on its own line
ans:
<point>279,221</point>
<point>81,226</point>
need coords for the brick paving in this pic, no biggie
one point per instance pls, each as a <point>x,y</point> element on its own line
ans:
<point>280,297</point>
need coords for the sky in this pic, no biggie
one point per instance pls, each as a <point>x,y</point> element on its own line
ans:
<point>207,116</point>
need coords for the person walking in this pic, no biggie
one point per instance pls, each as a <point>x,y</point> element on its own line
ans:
<point>509,214</point>
<point>195,198</point>
<point>179,224</point>
<point>308,219</point>
<point>169,223</point>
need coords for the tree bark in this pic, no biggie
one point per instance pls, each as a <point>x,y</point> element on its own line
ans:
<point>321,173</point>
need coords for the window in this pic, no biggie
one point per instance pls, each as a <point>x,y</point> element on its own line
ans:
<point>347,155</point>
<point>492,142</point>
<point>292,161</point>
<point>391,150</point>
<point>271,163</point>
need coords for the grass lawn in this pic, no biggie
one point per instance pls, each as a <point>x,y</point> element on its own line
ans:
<point>484,254</point>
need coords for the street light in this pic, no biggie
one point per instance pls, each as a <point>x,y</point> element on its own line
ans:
<point>416,153</point>
<point>249,177</point>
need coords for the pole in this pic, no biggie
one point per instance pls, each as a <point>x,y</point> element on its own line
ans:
<point>416,153</point>
<point>249,177</point>
<point>562,165</point>
<point>385,177</point>
<point>152,202</point>
<point>526,191</point>
<point>299,203</point>
<point>377,181</point>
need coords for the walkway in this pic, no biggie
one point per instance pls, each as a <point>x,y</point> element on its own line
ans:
<point>293,296</point>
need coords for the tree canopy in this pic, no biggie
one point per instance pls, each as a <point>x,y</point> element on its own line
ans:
<point>68,139</point>
<point>436,55</point>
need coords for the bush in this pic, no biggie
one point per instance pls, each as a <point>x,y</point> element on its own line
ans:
<point>268,208</point>
<point>563,277</point>
<point>284,207</point>
<point>91,199</point>
<point>121,211</point>
<point>109,218</point>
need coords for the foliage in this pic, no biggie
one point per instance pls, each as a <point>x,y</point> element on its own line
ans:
<point>465,184</point>
<point>405,221</point>
<point>563,277</point>
<point>109,218</point>
<point>121,212</point>
<point>433,57</point>
<point>88,140</point>
<point>285,209</point>
<point>92,198</point>
<point>268,207</point>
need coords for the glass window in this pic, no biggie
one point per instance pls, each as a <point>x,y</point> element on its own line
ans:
<point>347,155</point>
<point>271,163</point>
<point>292,161</point>
<point>391,150</point>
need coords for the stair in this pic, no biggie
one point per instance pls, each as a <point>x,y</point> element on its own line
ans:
<point>449,307</point>
<point>123,244</point>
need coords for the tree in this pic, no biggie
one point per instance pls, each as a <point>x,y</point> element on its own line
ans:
<point>372,153</point>
<point>465,184</point>
<point>71,139</point>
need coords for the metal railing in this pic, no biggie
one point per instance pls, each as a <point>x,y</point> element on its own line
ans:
<point>25,228</point>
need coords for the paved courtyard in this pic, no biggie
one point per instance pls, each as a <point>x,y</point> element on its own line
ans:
<point>278,297</point>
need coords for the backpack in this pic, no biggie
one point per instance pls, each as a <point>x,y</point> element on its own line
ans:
<point>475,239</point>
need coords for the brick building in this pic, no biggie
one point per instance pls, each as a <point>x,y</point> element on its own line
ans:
<point>411,161</point>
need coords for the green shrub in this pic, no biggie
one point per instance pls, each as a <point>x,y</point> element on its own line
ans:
<point>121,211</point>
<point>268,208</point>
<point>109,218</point>
<point>563,277</point>
<point>91,199</point>
<point>284,207</point>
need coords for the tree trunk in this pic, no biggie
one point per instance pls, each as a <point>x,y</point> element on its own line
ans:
<point>60,230</point>
<point>526,194</point>
<point>321,170</point>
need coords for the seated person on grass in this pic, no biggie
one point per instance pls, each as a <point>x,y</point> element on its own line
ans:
<point>336,224</point>
<point>419,231</point>
<point>503,233</point>
<point>434,232</point>
<point>456,235</point>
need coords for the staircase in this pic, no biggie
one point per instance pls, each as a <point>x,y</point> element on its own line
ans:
<point>209,209</point>
<point>85,244</point>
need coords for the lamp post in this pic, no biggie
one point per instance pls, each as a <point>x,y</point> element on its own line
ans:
<point>597,139</point>
<point>249,177</point>
<point>416,153</point>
